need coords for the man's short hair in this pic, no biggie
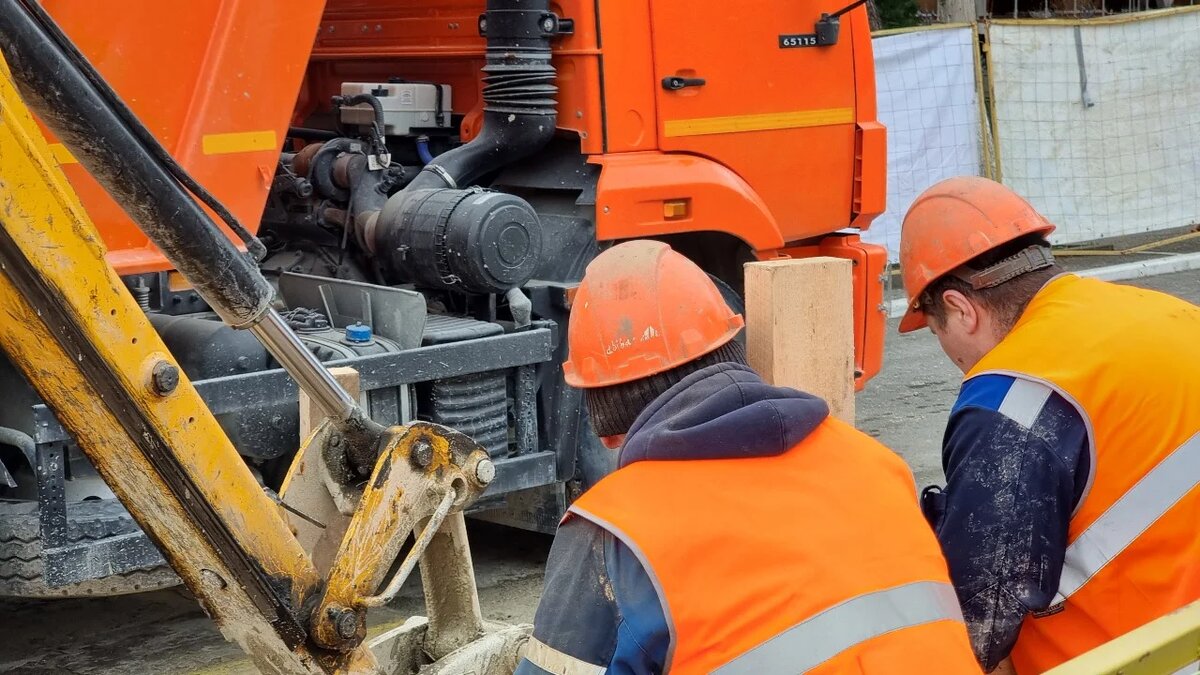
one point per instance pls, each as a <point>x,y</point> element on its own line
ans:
<point>1005,301</point>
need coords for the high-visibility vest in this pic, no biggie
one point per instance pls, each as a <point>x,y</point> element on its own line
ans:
<point>1129,360</point>
<point>817,560</point>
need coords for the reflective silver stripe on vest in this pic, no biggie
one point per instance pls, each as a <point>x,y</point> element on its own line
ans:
<point>1066,396</point>
<point>556,662</point>
<point>1024,402</point>
<point>1130,516</point>
<point>814,641</point>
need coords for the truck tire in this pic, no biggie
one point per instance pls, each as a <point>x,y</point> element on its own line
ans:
<point>21,564</point>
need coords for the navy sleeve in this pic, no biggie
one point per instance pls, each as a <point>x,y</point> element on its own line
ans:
<point>599,608</point>
<point>1017,462</point>
<point>577,614</point>
<point>643,636</point>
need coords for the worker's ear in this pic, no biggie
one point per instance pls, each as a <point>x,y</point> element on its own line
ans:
<point>960,311</point>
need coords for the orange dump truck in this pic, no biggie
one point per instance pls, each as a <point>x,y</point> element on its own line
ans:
<point>425,182</point>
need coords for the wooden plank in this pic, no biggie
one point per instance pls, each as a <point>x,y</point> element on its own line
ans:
<point>311,415</point>
<point>304,489</point>
<point>956,11</point>
<point>800,327</point>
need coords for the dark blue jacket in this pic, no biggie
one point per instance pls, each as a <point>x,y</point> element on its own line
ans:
<point>1016,461</point>
<point>599,608</point>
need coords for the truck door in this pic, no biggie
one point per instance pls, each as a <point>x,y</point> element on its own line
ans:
<point>755,95</point>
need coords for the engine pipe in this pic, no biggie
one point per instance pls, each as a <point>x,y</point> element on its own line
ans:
<point>519,105</point>
<point>22,442</point>
<point>423,150</point>
<point>519,118</point>
<point>378,145</point>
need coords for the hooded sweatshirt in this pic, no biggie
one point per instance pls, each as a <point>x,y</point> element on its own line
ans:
<point>599,607</point>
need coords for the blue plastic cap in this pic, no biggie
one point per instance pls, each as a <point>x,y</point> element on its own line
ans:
<point>358,333</point>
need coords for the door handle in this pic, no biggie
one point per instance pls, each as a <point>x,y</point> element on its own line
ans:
<point>675,83</point>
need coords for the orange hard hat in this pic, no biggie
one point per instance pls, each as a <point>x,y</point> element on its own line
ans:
<point>640,310</point>
<point>953,222</point>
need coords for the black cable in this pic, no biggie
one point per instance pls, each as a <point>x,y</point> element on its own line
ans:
<point>847,8</point>
<point>307,134</point>
<point>139,131</point>
<point>379,146</point>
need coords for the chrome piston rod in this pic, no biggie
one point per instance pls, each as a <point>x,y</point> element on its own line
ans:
<point>273,332</point>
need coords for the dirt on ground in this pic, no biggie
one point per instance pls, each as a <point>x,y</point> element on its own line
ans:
<point>166,631</point>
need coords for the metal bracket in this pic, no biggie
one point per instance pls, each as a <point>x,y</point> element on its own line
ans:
<point>52,503</point>
<point>424,474</point>
<point>521,23</point>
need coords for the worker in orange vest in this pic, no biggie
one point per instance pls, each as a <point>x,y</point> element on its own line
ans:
<point>745,530</point>
<point>1071,513</point>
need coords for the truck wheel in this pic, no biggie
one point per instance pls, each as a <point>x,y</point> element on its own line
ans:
<point>21,565</point>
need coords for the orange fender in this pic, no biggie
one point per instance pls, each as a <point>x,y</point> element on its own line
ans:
<point>643,194</point>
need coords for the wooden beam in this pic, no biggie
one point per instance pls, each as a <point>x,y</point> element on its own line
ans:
<point>800,327</point>
<point>956,11</point>
<point>304,489</point>
<point>311,415</point>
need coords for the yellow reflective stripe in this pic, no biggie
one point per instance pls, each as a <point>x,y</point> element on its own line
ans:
<point>1131,515</point>
<point>239,141</point>
<point>818,639</point>
<point>553,661</point>
<point>61,154</point>
<point>738,123</point>
<point>212,144</point>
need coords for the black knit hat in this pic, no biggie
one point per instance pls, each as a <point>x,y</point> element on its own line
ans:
<point>614,409</point>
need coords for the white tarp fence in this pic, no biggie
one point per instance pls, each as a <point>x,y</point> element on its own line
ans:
<point>927,97</point>
<point>1099,125</point>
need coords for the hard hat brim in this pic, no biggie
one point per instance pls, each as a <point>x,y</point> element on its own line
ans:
<point>573,378</point>
<point>914,319</point>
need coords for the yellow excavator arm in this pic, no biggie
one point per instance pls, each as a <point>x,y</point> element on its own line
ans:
<point>85,345</point>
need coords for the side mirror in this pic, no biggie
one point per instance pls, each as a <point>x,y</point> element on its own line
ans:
<point>828,28</point>
<point>825,33</point>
